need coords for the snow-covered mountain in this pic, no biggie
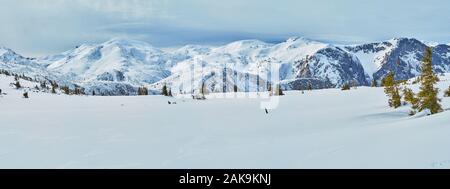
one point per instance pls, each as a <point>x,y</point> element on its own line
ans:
<point>119,66</point>
<point>400,55</point>
<point>13,62</point>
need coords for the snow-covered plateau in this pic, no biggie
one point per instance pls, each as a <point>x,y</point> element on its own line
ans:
<point>326,128</point>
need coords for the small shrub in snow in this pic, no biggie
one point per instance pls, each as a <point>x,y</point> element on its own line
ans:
<point>199,97</point>
<point>25,95</point>
<point>66,90</point>
<point>17,85</point>
<point>345,87</point>
<point>446,92</point>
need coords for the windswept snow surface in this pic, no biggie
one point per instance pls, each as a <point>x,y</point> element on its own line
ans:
<point>319,129</point>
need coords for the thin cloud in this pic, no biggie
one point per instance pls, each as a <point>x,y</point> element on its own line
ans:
<point>39,27</point>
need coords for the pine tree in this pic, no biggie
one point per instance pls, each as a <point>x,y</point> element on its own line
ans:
<point>170,92</point>
<point>395,100</point>
<point>235,88</point>
<point>310,86</point>
<point>164,91</point>
<point>374,83</point>
<point>391,90</point>
<point>93,93</point>
<point>446,93</point>
<point>428,98</point>
<point>53,89</point>
<point>410,98</point>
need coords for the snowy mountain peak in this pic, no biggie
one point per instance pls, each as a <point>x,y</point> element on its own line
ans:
<point>4,50</point>
<point>120,65</point>
<point>252,44</point>
<point>126,42</point>
<point>298,39</point>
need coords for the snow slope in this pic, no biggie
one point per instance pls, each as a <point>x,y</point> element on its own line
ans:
<point>319,129</point>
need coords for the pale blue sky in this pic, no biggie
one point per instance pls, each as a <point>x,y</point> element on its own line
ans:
<point>37,27</point>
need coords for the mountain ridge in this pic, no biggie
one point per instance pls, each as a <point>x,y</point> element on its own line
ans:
<point>126,64</point>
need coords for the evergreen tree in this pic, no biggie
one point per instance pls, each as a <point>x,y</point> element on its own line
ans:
<point>410,98</point>
<point>170,92</point>
<point>391,90</point>
<point>235,88</point>
<point>374,83</point>
<point>53,89</point>
<point>396,98</point>
<point>428,98</point>
<point>93,92</point>
<point>164,91</point>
